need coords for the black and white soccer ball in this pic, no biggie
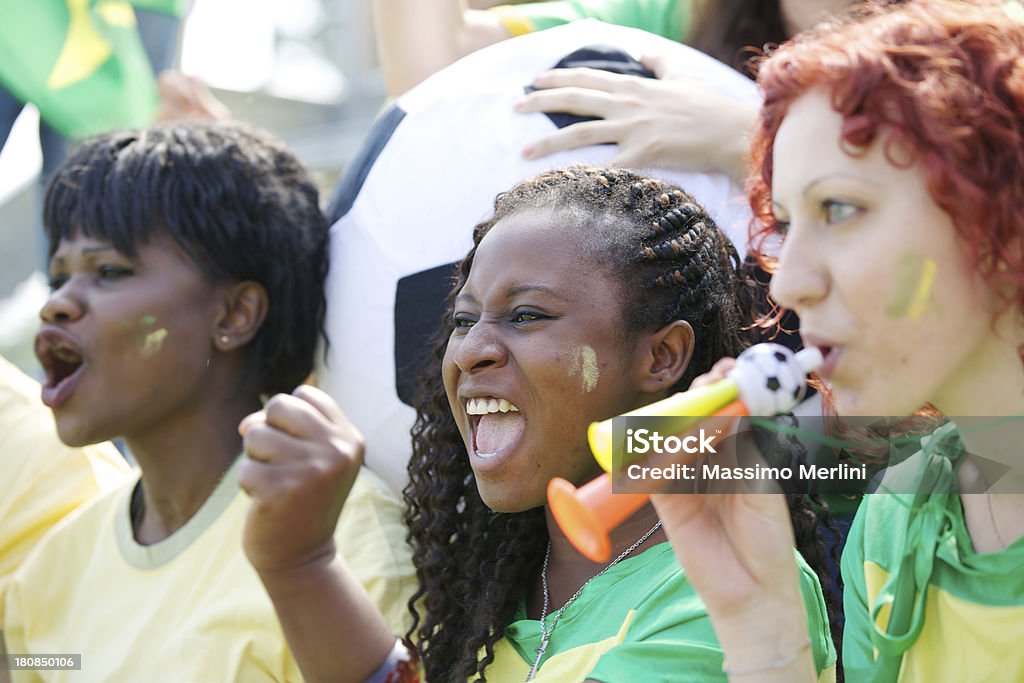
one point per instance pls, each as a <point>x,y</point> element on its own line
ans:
<point>772,378</point>
<point>428,172</point>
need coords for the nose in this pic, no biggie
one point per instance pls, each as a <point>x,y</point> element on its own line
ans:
<point>478,348</point>
<point>64,305</point>
<point>800,279</point>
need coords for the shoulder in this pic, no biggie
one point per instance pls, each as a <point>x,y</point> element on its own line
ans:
<point>667,18</point>
<point>80,533</point>
<point>82,537</point>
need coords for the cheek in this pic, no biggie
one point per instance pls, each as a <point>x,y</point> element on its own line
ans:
<point>911,287</point>
<point>450,376</point>
<point>583,365</point>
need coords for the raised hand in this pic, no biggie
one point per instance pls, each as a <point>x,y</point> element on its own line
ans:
<point>737,550</point>
<point>670,121</point>
<point>303,456</point>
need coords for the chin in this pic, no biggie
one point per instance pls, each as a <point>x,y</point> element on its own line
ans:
<point>508,503</point>
<point>77,435</point>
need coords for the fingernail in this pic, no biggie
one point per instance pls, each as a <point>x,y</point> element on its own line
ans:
<point>528,152</point>
<point>246,422</point>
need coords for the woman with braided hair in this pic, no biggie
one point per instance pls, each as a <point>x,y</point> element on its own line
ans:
<point>588,293</point>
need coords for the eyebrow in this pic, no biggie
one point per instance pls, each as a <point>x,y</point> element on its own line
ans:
<point>523,289</point>
<point>93,250</point>
<point>828,176</point>
<point>86,251</point>
<point>513,292</point>
<point>842,176</point>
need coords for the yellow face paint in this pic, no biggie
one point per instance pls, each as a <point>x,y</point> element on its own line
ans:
<point>153,342</point>
<point>922,293</point>
<point>584,363</point>
<point>913,287</point>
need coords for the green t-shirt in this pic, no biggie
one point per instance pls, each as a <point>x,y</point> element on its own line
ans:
<point>640,621</point>
<point>963,611</point>
<point>667,18</point>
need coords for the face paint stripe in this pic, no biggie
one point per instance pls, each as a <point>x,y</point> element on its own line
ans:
<point>923,291</point>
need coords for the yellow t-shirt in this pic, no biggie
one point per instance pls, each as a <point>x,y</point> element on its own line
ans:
<point>189,608</point>
<point>41,479</point>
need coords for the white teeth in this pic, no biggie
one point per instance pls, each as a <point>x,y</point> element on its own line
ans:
<point>65,354</point>
<point>485,406</point>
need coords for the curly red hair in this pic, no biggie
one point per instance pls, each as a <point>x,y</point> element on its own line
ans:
<point>942,79</point>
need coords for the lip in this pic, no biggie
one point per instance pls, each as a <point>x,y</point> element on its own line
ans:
<point>831,351</point>
<point>57,389</point>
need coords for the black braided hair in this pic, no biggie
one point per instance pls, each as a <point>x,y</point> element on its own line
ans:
<point>672,263</point>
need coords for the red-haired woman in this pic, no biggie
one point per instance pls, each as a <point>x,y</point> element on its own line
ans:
<point>889,159</point>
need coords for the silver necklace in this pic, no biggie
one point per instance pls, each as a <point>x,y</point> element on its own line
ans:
<point>545,631</point>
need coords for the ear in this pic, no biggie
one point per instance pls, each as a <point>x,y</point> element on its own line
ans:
<point>243,310</point>
<point>664,356</point>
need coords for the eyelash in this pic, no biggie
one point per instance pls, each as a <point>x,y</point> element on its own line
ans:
<point>532,316</point>
<point>104,273</point>
<point>829,204</point>
<point>113,272</point>
<point>464,321</point>
<point>781,227</point>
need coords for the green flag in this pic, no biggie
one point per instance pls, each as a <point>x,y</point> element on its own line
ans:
<point>175,8</point>
<point>80,62</point>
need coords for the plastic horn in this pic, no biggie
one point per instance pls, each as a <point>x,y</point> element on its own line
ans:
<point>588,514</point>
<point>767,379</point>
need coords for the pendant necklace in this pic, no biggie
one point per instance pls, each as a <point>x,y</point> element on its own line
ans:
<point>546,631</point>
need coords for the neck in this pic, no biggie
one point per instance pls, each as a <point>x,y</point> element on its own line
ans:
<point>568,569</point>
<point>182,461</point>
<point>991,384</point>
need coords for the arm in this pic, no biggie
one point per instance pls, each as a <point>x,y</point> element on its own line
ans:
<point>737,551</point>
<point>415,39</point>
<point>670,121</point>
<point>318,605</point>
<point>303,457</point>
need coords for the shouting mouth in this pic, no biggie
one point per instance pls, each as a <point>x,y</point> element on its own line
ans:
<point>497,425</point>
<point>63,363</point>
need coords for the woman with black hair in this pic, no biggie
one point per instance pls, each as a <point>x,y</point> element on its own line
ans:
<point>186,267</point>
<point>588,293</point>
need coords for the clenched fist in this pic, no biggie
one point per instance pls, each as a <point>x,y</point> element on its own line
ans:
<point>302,456</point>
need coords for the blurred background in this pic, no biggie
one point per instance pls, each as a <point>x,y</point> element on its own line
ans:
<point>303,69</point>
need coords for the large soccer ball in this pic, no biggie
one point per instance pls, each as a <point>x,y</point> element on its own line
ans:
<point>428,172</point>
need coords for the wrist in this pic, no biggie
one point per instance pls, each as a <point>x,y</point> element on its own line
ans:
<point>312,570</point>
<point>770,634</point>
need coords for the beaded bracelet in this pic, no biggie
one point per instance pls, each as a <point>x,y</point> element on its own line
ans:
<point>778,663</point>
<point>401,666</point>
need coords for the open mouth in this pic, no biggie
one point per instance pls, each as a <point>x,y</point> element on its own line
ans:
<point>831,356</point>
<point>63,363</point>
<point>497,425</point>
